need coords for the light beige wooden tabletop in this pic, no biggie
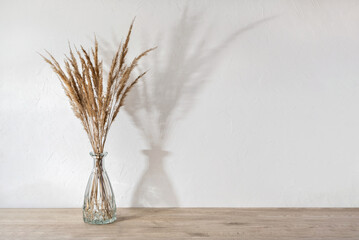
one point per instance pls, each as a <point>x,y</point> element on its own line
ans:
<point>184,223</point>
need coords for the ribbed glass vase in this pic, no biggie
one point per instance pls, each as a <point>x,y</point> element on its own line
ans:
<point>99,202</point>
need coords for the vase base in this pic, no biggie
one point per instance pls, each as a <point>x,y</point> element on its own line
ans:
<point>100,222</point>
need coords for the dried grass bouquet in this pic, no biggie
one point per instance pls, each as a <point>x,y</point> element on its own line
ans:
<point>96,101</point>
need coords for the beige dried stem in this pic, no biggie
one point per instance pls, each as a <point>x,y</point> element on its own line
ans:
<point>95,99</point>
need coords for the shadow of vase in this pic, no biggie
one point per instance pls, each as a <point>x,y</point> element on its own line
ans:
<point>179,69</point>
<point>178,75</point>
<point>154,189</point>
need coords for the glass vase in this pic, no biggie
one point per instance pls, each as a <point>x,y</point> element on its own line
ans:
<point>99,202</point>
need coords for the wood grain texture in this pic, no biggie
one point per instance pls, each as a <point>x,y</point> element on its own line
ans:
<point>184,223</point>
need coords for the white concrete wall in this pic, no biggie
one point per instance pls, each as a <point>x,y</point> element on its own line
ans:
<point>248,104</point>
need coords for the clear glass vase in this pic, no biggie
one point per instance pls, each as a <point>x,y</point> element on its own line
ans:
<point>99,202</point>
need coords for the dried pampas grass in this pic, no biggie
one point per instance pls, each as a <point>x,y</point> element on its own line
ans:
<point>94,100</point>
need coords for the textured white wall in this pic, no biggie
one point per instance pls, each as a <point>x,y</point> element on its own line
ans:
<point>247,104</point>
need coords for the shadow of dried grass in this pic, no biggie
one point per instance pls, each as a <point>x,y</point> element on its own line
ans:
<point>179,70</point>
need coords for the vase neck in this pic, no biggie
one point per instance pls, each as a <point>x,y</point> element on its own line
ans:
<point>98,160</point>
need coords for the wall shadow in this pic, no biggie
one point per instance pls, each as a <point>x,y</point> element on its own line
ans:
<point>179,69</point>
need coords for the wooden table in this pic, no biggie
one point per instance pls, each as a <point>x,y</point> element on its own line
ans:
<point>184,223</point>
